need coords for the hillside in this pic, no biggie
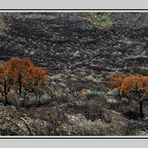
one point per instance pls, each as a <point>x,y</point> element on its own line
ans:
<point>79,52</point>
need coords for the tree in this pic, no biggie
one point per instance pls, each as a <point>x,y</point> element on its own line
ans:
<point>35,78</point>
<point>131,86</point>
<point>25,75</point>
<point>137,87</point>
<point>116,79</point>
<point>17,70</point>
<point>3,81</point>
<point>22,75</point>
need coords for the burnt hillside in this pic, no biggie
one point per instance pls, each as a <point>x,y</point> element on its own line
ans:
<point>79,53</point>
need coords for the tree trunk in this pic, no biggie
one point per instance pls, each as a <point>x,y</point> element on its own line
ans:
<point>20,89</point>
<point>5,93</point>
<point>20,85</point>
<point>141,109</point>
<point>6,101</point>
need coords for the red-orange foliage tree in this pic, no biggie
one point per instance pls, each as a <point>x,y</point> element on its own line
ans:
<point>21,74</point>
<point>35,78</point>
<point>137,87</point>
<point>17,70</point>
<point>132,86</point>
<point>4,85</point>
<point>116,79</point>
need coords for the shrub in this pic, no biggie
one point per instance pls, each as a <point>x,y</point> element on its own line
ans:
<point>104,20</point>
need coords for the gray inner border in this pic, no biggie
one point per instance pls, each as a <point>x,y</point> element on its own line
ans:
<point>73,4</point>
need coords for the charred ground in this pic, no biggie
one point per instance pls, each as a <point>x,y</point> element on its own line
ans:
<point>79,54</point>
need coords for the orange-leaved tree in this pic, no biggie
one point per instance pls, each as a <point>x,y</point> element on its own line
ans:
<point>25,74</point>
<point>17,70</point>
<point>132,86</point>
<point>116,79</point>
<point>4,81</point>
<point>35,78</point>
<point>22,75</point>
<point>137,87</point>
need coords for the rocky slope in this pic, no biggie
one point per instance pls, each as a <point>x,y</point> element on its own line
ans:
<point>79,55</point>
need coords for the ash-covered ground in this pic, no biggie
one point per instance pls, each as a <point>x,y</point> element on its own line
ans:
<point>80,52</point>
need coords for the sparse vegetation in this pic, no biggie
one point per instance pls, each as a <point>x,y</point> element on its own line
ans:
<point>73,74</point>
<point>103,20</point>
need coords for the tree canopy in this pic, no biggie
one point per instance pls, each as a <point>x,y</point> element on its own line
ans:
<point>22,75</point>
<point>133,86</point>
